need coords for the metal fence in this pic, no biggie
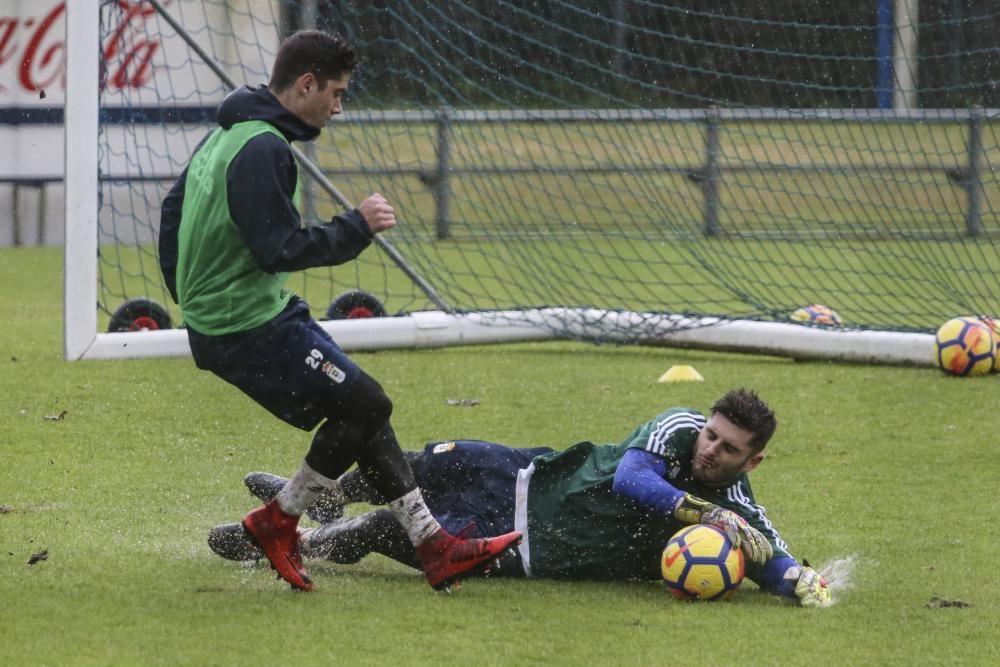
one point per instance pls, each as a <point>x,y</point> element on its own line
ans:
<point>709,175</point>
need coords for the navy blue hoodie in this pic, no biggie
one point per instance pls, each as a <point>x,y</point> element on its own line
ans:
<point>261,182</point>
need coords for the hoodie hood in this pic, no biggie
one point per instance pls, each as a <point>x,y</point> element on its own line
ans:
<point>259,103</point>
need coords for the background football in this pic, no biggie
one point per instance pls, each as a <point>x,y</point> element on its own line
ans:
<point>816,314</point>
<point>965,346</point>
<point>700,563</point>
<point>994,324</point>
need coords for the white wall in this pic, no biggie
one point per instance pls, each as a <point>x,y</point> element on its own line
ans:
<point>31,215</point>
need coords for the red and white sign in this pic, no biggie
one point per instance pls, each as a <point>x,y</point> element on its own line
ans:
<point>33,51</point>
<point>145,60</point>
<point>146,64</point>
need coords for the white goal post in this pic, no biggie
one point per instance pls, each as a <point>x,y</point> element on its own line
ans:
<point>431,328</point>
<point>80,252</point>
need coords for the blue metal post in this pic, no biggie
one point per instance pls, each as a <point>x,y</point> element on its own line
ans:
<point>883,55</point>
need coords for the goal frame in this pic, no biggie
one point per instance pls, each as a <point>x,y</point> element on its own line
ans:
<point>82,339</point>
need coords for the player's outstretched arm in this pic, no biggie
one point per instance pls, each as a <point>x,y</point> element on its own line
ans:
<point>640,477</point>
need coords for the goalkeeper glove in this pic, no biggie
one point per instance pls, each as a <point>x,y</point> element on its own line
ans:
<point>810,588</point>
<point>691,509</point>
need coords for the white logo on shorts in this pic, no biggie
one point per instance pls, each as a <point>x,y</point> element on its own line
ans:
<point>333,372</point>
<point>443,447</point>
<point>315,361</point>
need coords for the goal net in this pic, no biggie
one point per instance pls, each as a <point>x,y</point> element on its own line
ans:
<point>634,172</point>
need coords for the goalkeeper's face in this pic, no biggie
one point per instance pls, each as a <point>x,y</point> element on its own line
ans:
<point>722,451</point>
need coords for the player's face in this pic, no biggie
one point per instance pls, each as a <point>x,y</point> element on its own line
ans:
<point>318,105</point>
<point>722,451</point>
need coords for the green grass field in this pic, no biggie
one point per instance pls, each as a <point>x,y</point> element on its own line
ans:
<point>890,470</point>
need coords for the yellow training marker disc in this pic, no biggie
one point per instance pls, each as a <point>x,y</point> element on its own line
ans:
<point>681,374</point>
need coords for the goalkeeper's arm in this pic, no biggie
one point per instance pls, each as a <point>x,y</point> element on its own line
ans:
<point>640,477</point>
<point>784,576</point>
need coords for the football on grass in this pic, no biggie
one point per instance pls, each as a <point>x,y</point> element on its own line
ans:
<point>816,313</point>
<point>965,346</point>
<point>700,563</point>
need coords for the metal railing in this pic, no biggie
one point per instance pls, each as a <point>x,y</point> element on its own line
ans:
<point>710,174</point>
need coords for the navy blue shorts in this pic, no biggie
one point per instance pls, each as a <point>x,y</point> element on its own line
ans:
<point>472,482</point>
<point>290,366</point>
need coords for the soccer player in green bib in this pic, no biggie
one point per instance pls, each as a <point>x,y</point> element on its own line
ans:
<point>588,512</point>
<point>230,233</point>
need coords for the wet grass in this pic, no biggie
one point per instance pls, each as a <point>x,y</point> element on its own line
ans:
<point>892,468</point>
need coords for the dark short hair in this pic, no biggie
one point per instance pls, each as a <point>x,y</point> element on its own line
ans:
<point>745,408</point>
<point>327,55</point>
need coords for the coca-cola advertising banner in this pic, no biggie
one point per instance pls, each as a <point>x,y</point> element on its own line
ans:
<point>146,63</point>
<point>150,75</point>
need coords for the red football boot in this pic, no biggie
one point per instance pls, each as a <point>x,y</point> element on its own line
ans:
<point>276,533</point>
<point>447,558</point>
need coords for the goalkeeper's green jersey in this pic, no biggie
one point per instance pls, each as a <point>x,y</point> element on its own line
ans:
<point>579,528</point>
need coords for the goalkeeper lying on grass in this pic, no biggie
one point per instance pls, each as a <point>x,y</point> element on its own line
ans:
<point>596,512</point>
